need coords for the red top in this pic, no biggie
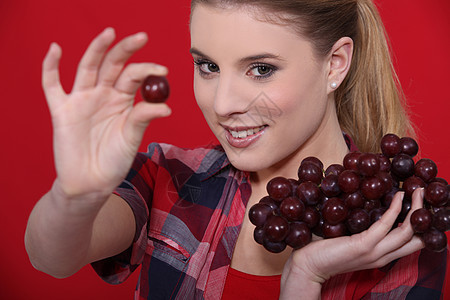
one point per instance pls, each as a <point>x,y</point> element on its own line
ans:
<point>239,285</point>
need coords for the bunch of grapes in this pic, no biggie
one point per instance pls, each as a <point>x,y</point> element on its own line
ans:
<point>346,199</point>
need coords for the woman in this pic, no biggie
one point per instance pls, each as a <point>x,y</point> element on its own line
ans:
<point>276,82</point>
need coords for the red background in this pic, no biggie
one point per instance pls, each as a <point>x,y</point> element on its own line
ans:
<point>420,36</point>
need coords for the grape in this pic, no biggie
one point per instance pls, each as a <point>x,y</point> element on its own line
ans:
<point>330,185</point>
<point>411,184</point>
<point>310,171</point>
<point>334,211</point>
<point>258,214</point>
<point>441,219</point>
<point>311,217</point>
<point>347,198</point>
<point>421,220</point>
<point>308,192</point>
<point>279,188</point>
<point>425,169</point>
<point>155,89</point>
<point>409,146</point>
<point>358,220</point>
<point>368,164</point>
<point>390,145</point>
<point>354,200</point>
<point>276,228</point>
<point>292,209</point>
<point>299,235</point>
<point>436,194</point>
<point>258,234</point>
<point>349,181</point>
<point>435,240</point>
<point>314,160</point>
<point>274,247</point>
<point>372,188</point>
<point>402,165</point>
<point>332,231</point>
<point>335,169</point>
<point>351,161</point>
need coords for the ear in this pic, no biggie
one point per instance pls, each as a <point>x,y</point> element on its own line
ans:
<point>339,64</point>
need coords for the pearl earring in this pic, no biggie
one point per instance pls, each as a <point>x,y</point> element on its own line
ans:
<point>333,85</point>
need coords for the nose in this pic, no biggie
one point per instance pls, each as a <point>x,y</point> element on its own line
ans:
<point>231,96</point>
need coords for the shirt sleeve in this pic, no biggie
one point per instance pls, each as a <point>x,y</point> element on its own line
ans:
<point>137,191</point>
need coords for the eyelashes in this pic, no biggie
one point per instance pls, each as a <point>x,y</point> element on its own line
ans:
<point>257,71</point>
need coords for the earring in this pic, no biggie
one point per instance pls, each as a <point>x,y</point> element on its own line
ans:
<point>333,85</point>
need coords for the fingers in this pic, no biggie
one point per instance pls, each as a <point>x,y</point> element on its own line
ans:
<point>50,75</point>
<point>133,75</point>
<point>115,59</point>
<point>90,63</point>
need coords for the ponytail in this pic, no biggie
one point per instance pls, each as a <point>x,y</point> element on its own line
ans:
<point>370,101</point>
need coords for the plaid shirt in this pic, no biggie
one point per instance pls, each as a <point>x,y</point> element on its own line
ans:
<point>189,205</point>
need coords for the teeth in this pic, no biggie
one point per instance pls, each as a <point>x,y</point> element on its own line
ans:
<point>245,133</point>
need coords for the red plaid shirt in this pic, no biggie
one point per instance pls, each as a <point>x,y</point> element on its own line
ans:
<point>189,205</point>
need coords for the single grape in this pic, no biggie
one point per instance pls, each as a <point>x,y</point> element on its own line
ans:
<point>299,235</point>
<point>334,211</point>
<point>351,160</point>
<point>409,146</point>
<point>390,145</point>
<point>402,166</point>
<point>358,220</point>
<point>155,89</point>
<point>436,194</point>
<point>372,204</point>
<point>385,163</point>
<point>258,234</point>
<point>386,180</point>
<point>425,169</point>
<point>309,171</point>
<point>258,214</point>
<point>372,188</point>
<point>274,247</point>
<point>330,185</point>
<point>368,164</point>
<point>421,220</point>
<point>311,216</point>
<point>276,228</point>
<point>314,160</point>
<point>376,214</point>
<point>354,200</point>
<point>335,169</point>
<point>332,231</point>
<point>279,188</point>
<point>271,203</point>
<point>349,181</point>
<point>411,184</point>
<point>435,240</point>
<point>441,219</point>
<point>308,192</point>
<point>292,209</point>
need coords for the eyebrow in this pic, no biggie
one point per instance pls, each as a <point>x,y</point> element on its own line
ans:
<point>242,60</point>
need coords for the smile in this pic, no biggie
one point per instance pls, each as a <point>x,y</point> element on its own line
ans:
<point>242,134</point>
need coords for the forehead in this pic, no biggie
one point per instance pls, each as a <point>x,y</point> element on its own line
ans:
<point>240,28</point>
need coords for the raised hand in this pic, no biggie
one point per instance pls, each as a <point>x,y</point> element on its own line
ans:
<point>97,126</point>
<point>309,267</point>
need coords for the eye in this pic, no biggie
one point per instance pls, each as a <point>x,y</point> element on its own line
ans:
<point>261,71</point>
<point>206,68</point>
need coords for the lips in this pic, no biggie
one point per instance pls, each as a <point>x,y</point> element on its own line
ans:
<point>241,137</point>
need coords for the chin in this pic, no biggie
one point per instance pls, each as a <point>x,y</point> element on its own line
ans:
<point>248,162</point>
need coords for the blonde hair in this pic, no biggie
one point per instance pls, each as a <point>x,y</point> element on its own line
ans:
<point>370,101</point>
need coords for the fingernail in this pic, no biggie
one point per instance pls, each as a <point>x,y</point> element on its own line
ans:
<point>140,36</point>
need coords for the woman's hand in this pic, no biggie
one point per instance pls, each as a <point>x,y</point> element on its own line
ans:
<point>308,268</point>
<point>97,127</point>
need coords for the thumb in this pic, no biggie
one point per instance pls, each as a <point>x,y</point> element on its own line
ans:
<point>141,115</point>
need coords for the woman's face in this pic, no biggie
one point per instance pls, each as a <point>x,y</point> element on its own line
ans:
<point>262,90</point>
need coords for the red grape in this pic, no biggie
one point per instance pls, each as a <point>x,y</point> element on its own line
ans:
<point>155,89</point>
<point>368,164</point>
<point>435,240</point>
<point>390,145</point>
<point>258,214</point>
<point>409,146</point>
<point>351,161</point>
<point>334,211</point>
<point>279,188</point>
<point>402,165</point>
<point>425,169</point>
<point>299,235</point>
<point>349,181</point>
<point>436,194</point>
<point>292,209</point>
<point>421,220</point>
<point>358,220</point>
<point>308,192</point>
<point>276,228</point>
<point>310,171</point>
